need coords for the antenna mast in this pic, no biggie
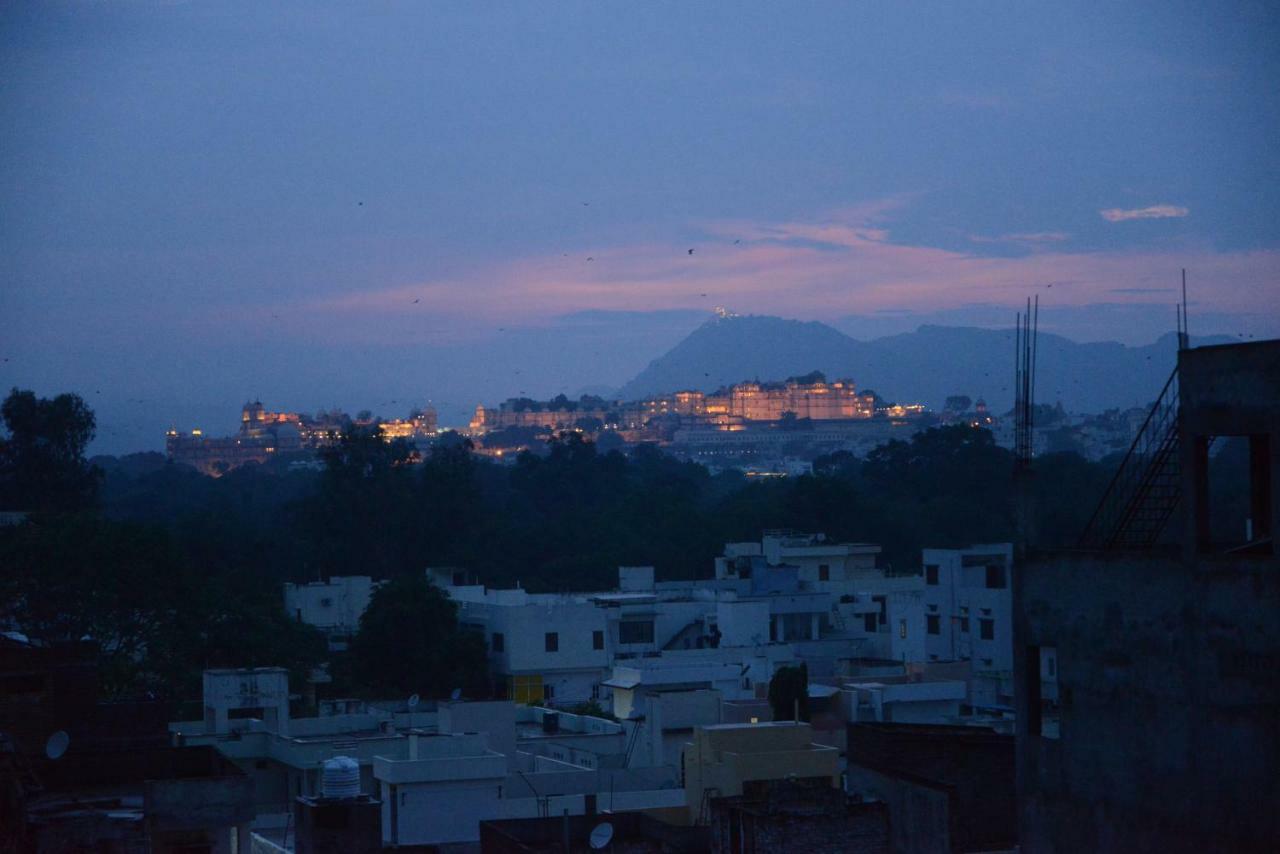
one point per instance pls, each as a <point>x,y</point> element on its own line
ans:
<point>1026,341</point>
<point>1184,336</point>
<point>1024,416</point>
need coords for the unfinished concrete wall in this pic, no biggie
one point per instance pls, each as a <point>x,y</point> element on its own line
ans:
<point>1169,717</point>
<point>1230,390</point>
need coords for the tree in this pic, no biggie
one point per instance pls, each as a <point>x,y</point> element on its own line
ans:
<point>134,591</point>
<point>410,642</point>
<point>789,691</point>
<point>42,462</point>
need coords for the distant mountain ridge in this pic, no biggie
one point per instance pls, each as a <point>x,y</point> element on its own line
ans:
<point>924,366</point>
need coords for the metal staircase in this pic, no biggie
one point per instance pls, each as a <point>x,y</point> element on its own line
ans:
<point>1146,488</point>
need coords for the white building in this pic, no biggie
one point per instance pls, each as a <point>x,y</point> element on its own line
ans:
<point>931,702</point>
<point>827,598</point>
<point>438,773</point>
<point>334,606</point>
<point>969,616</point>
<point>817,560</point>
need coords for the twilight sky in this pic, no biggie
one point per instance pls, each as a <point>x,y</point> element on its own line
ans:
<point>379,205</point>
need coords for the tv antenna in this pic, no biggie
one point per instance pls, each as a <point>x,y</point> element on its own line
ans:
<point>601,836</point>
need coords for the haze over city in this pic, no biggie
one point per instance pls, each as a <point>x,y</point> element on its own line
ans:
<point>423,204</point>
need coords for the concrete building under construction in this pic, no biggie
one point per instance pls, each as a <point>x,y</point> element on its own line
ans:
<point>1160,638</point>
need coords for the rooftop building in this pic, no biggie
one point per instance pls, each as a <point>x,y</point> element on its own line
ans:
<point>1160,650</point>
<point>724,760</point>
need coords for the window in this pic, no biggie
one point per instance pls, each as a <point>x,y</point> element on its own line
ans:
<point>869,621</point>
<point>597,639</point>
<point>498,642</point>
<point>933,623</point>
<point>326,602</point>
<point>824,572</point>
<point>635,631</point>
<point>987,629</point>
<point>1041,688</point>
<point>553,642</point>
<point>931,574</point>
<point>995,577</point>
<point>524,689</point>
<point>964,618</point>
<point>548,692</point>
<point>884,610</point>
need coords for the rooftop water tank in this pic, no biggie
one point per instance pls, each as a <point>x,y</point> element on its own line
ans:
<point>341,778</point>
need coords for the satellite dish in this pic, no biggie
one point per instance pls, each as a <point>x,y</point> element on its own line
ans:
<point>414,699</point>
<point>455,694</point>
<point>601,835</point>
<point>57,744</point>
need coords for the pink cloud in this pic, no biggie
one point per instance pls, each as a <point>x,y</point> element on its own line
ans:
<point>1030,238</point>
<point>1153,212</point>
<point>817,270</point>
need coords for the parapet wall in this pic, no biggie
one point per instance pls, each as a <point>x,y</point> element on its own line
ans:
<point>1169,702</point>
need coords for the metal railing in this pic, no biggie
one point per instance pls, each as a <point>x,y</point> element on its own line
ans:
<point>1145,489</point>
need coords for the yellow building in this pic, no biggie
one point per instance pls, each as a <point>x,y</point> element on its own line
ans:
<point>721,758</point>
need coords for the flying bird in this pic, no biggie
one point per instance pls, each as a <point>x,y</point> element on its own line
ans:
<point>417,301</point>
<point>690,251</point>
<point>736,242</point>
<point>589,258</point>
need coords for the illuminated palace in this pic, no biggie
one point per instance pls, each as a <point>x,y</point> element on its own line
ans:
<point>264,435</point>
<point>809,396</point>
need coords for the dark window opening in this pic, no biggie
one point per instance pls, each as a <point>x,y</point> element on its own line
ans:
<point>824,572</point>
<point>1235,494</point>
<point>995,577</point>
<point>635,631</point>
<point>1042,691</point>
<point>242,714</point>
<point>597,639</point>
<point>933,624</point>
<point>499,642</point>
<point>553,642</point>
<point>870,622</point>
<point>931,574</point>
<point>987,629</point>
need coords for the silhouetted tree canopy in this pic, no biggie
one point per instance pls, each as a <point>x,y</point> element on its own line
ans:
<point>789,691</point>
<point>42,462</point>
<point>410,642</point>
